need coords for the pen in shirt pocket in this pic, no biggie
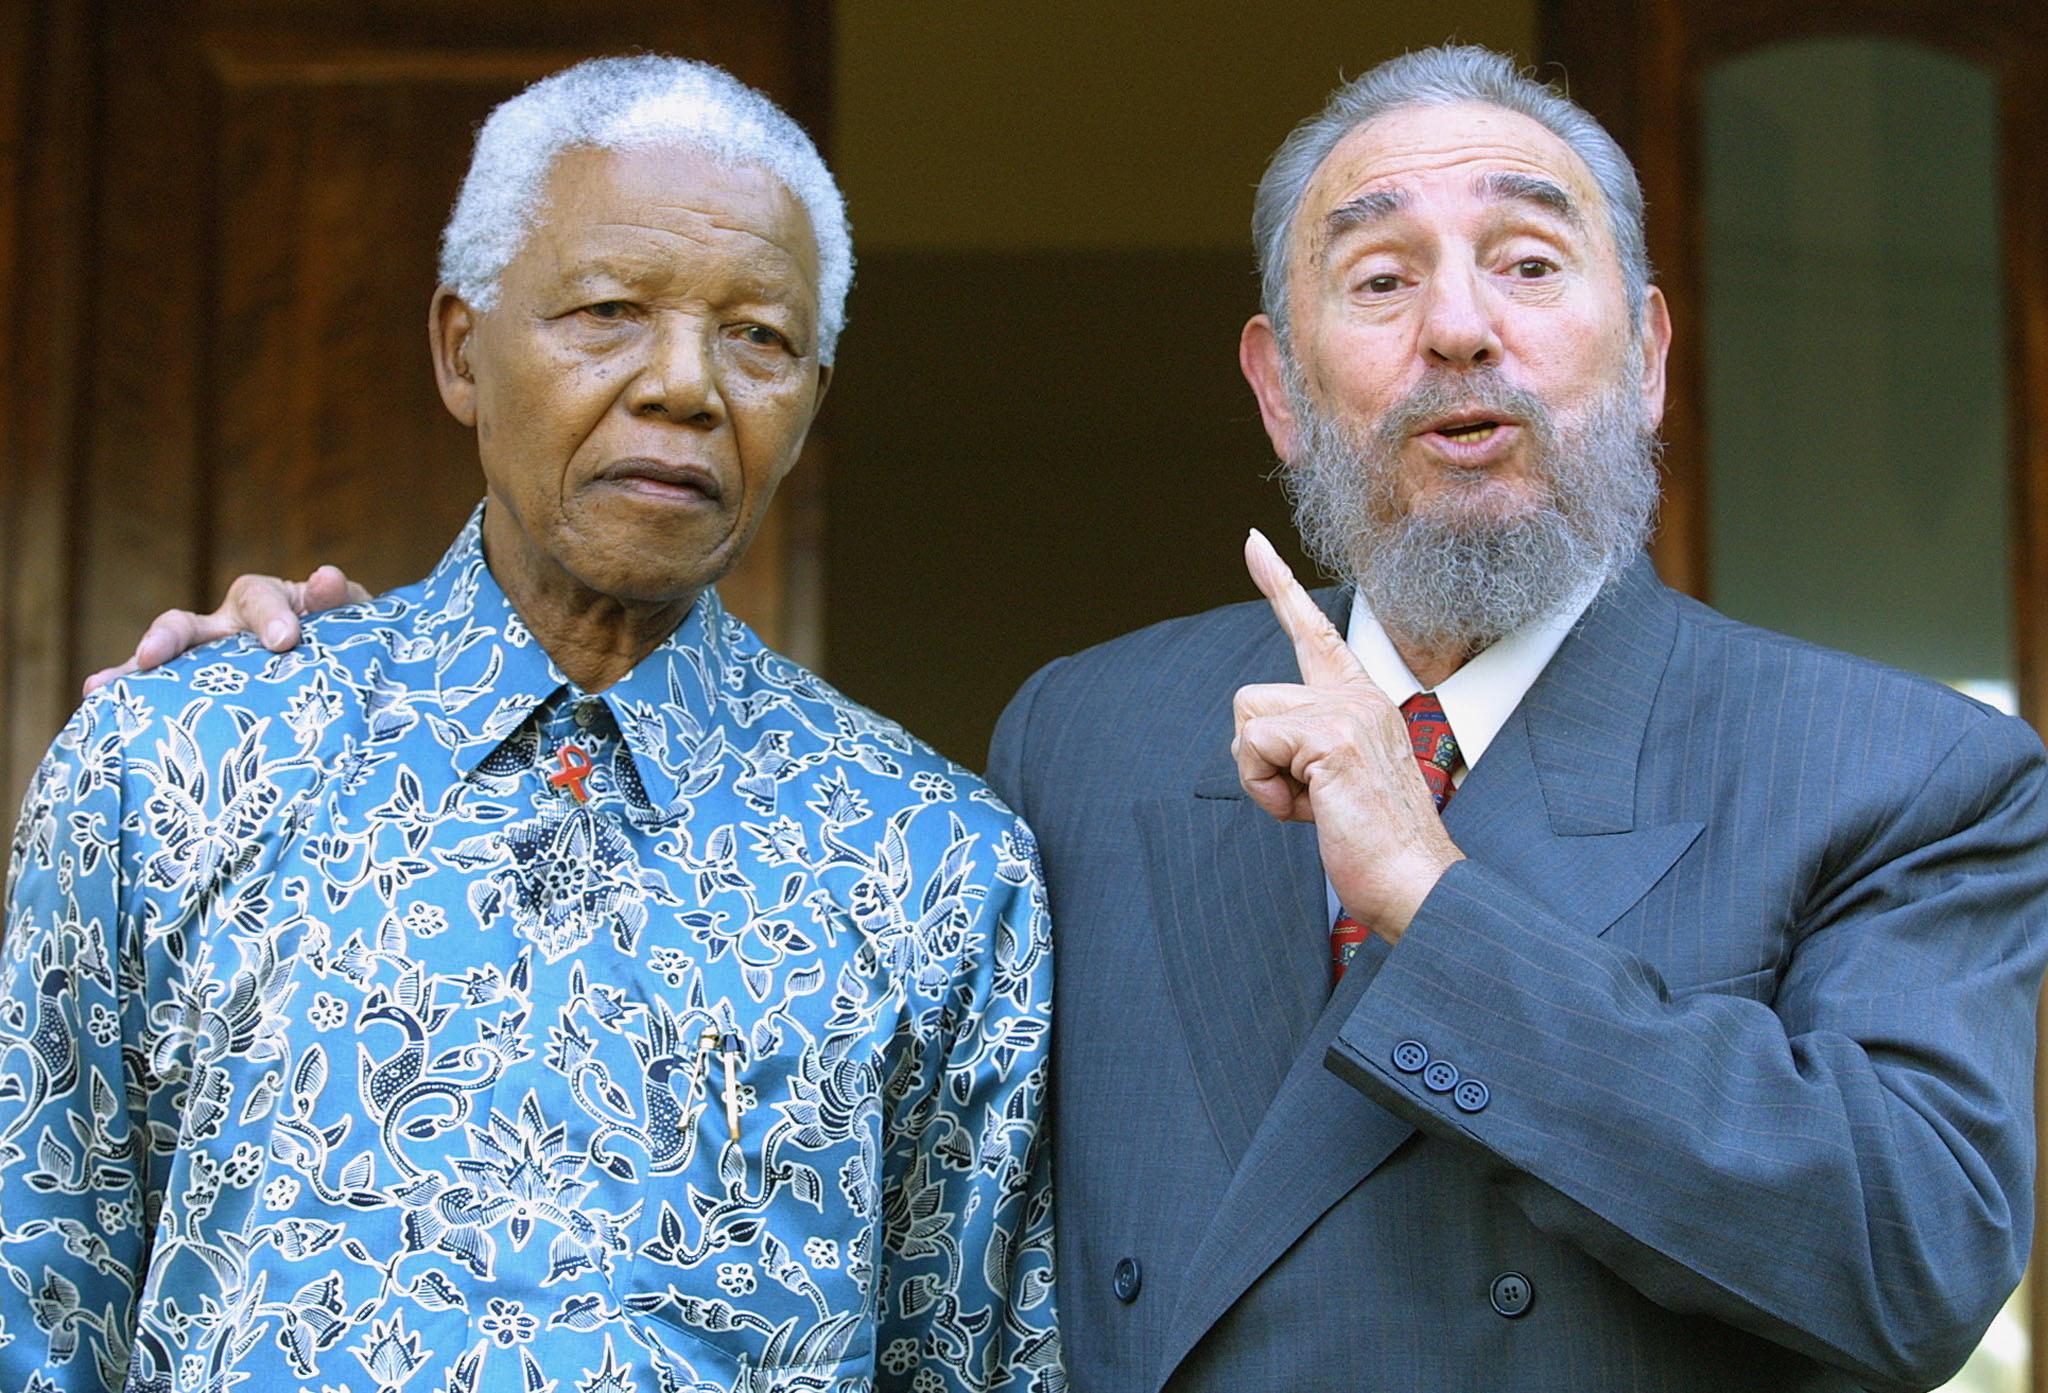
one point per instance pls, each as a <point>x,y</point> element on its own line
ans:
<point>727,1044</point>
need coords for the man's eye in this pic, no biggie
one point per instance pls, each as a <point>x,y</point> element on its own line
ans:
<point>1383,285</point>
<point>1531,268</point>
<point>761,336</point>
<point>608,309</point>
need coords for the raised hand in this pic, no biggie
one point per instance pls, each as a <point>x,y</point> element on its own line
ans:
<point>264,605</point>
<point>1333,750</point>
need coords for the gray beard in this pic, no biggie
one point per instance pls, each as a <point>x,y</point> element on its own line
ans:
<point>1456,575</point>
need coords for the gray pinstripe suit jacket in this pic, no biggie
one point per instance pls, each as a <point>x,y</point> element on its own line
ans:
<point>1746,953</point>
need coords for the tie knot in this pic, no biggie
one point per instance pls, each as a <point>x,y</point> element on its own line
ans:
<point>1424,706</point>
<point>1436,749</point>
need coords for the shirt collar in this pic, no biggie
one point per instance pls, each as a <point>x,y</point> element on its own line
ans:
<point>1480,696</point>
<point>490,673</point>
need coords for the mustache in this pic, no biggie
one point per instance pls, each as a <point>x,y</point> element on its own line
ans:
<point>1442,392</point>
<point>1460,571</point>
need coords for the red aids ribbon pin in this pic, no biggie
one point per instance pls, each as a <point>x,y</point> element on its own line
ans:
<point>573,767</point>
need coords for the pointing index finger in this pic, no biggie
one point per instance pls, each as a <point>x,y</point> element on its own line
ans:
<point>1319,650</point>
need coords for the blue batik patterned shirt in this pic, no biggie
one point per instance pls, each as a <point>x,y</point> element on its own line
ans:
<point>376,1016</point>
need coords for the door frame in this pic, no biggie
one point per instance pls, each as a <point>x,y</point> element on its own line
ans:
<point>1637,66</point>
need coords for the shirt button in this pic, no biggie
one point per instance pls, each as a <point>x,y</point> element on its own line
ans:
<point>1440,1077</point>
<point>1129,1280</point>
<point>586,713</point>
<point>1410,1056</point>
<point>1511,1294</point>
<point>1471,1096</point>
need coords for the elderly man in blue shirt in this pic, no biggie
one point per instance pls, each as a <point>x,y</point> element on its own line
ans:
<point>532,981</point>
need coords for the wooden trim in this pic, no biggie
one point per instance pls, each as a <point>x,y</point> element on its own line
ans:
<point>138,491</point>
<point>1669,165</point>
<point>1635,64</point>
<point>815,40</point>
<point>245,61</point>
<point>17,49</point>
<point>2024,134</point>
<point>49,274</point>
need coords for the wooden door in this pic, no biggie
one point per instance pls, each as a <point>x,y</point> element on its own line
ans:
<point>218,224</point>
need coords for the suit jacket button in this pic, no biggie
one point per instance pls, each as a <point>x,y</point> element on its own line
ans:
<point>1471,1096</point>
<point>1128,1280</point>
<point>1410,1056</point>
<point>1512,1294</point>
<point>1440,1077</point>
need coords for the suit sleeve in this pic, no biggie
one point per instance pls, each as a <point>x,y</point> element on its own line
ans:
<point>1847,1170</point>
<point>76,1194</point>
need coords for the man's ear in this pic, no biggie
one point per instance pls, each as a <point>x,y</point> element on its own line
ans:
<point>450,322</point>
<point>1656,340</point>
<point>1258,355</point>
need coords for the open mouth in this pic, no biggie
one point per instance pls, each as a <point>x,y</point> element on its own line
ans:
<point>1469,432</point>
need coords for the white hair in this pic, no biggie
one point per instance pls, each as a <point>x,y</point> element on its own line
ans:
<point>1446,76</point>
<point>626,103</point>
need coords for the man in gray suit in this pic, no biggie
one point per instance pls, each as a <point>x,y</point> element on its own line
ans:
<point>1691,1046</point>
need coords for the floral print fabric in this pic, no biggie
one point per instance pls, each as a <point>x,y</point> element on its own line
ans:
<point>344,1049</point>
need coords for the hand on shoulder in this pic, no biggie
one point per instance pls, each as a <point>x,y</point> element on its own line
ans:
<point>264,605</point>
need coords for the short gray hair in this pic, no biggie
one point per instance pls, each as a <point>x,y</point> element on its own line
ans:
<point>1445,76</point>
<point>626,103</point>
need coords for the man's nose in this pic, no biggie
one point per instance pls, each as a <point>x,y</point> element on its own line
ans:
<point>679,378</point>
<point>1459,326</point>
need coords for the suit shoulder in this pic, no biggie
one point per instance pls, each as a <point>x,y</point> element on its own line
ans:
<point>1834,684</point>
<point>1139,665</point>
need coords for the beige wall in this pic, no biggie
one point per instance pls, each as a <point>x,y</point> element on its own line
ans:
<point>1092,125</point>
<point>1038,437</point>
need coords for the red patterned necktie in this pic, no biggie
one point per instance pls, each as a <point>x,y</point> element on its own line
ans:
<point>1436,753</point>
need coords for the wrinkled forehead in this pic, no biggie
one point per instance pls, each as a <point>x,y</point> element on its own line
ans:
<point>1420,158</point>
<point>674,202</point>
<point>593,184</point>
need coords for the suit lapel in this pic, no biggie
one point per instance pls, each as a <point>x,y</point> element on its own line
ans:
<point>1500,819</point>
<point>1586,714</point>
<point>1317,1140</point>
<point>1240,911</point>
<point>1552,806</point>
<point>1238,903</point>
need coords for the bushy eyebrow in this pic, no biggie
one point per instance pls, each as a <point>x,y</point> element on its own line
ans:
<point>1366,208</point>
<point>1500,186</point>
<point>1506,186</point>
